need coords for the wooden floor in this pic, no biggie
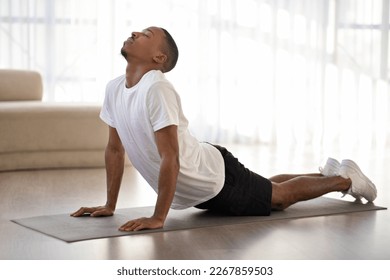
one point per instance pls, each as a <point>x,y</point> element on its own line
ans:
<point>351,236</point>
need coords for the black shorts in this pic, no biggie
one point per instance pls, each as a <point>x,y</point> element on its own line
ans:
<point>244,193</point>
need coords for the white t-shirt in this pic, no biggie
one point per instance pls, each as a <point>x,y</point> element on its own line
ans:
<point>151,105</point>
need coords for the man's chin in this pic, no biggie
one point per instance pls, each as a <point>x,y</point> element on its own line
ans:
<point>123,53</point>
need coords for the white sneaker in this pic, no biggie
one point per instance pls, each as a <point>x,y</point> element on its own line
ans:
<point>361,185</point>
<point>331,168</point>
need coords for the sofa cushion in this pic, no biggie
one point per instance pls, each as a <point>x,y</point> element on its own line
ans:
<point>20,85</point>
<point>39,126</point>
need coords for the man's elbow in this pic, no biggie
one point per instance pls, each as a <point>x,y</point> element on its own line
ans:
<point>173,161</point>
<point>117,151</point>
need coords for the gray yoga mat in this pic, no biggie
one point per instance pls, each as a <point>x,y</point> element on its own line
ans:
<point>72,229</point>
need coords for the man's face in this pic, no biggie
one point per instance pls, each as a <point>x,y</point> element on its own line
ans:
<point>143,46</point>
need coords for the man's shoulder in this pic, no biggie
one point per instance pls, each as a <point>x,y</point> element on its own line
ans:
<point>153,77</point>
<point>157,80</point>
<point>117,81</point>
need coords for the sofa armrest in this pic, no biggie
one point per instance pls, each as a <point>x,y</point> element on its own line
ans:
<point>17,85</point>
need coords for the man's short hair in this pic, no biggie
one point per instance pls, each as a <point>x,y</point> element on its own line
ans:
<point>171,51</point>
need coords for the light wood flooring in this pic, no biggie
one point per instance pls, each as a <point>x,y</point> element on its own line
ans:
<point>349,236</point>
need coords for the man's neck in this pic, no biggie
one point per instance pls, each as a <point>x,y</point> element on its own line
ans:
<point>134,74</point>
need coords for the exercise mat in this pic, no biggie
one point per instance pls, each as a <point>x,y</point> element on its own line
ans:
<point>71,229</point>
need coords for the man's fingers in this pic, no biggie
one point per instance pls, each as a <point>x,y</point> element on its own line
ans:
<point>99,213</point>
<point>79,212</point>
<point>125,227</point>
<point>83,210</point>
<point>94,211</point>
<point>140,224</point>
<point>130,225</point>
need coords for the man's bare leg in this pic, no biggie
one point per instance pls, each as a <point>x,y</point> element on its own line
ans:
<point>286,177</point>
<point>300,188</point>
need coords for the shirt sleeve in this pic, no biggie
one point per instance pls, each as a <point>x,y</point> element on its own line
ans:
<point>163,106</point>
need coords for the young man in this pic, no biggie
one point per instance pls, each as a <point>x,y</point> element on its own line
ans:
<point>145,119</point>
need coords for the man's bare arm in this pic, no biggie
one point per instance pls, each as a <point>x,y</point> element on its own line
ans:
<point>114,158</point>
<point>168,148</point>
<point>115,161</point>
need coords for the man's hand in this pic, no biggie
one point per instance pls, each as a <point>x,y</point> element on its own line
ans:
<point>94,211</point>
<point>142,223</point>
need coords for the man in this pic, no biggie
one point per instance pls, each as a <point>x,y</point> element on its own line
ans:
<point>145,119</point>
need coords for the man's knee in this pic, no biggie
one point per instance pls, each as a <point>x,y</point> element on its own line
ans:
<point>280,198</point>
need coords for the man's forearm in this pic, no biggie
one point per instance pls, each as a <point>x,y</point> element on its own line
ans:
<point>169,171</point>
<point>114,159</point>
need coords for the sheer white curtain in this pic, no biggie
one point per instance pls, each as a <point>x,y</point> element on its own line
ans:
<point>254,71</point>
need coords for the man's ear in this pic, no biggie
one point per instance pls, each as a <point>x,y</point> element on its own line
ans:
<point>160,58</point>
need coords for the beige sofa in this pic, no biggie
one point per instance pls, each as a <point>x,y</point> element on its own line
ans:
<point>36,134</point>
